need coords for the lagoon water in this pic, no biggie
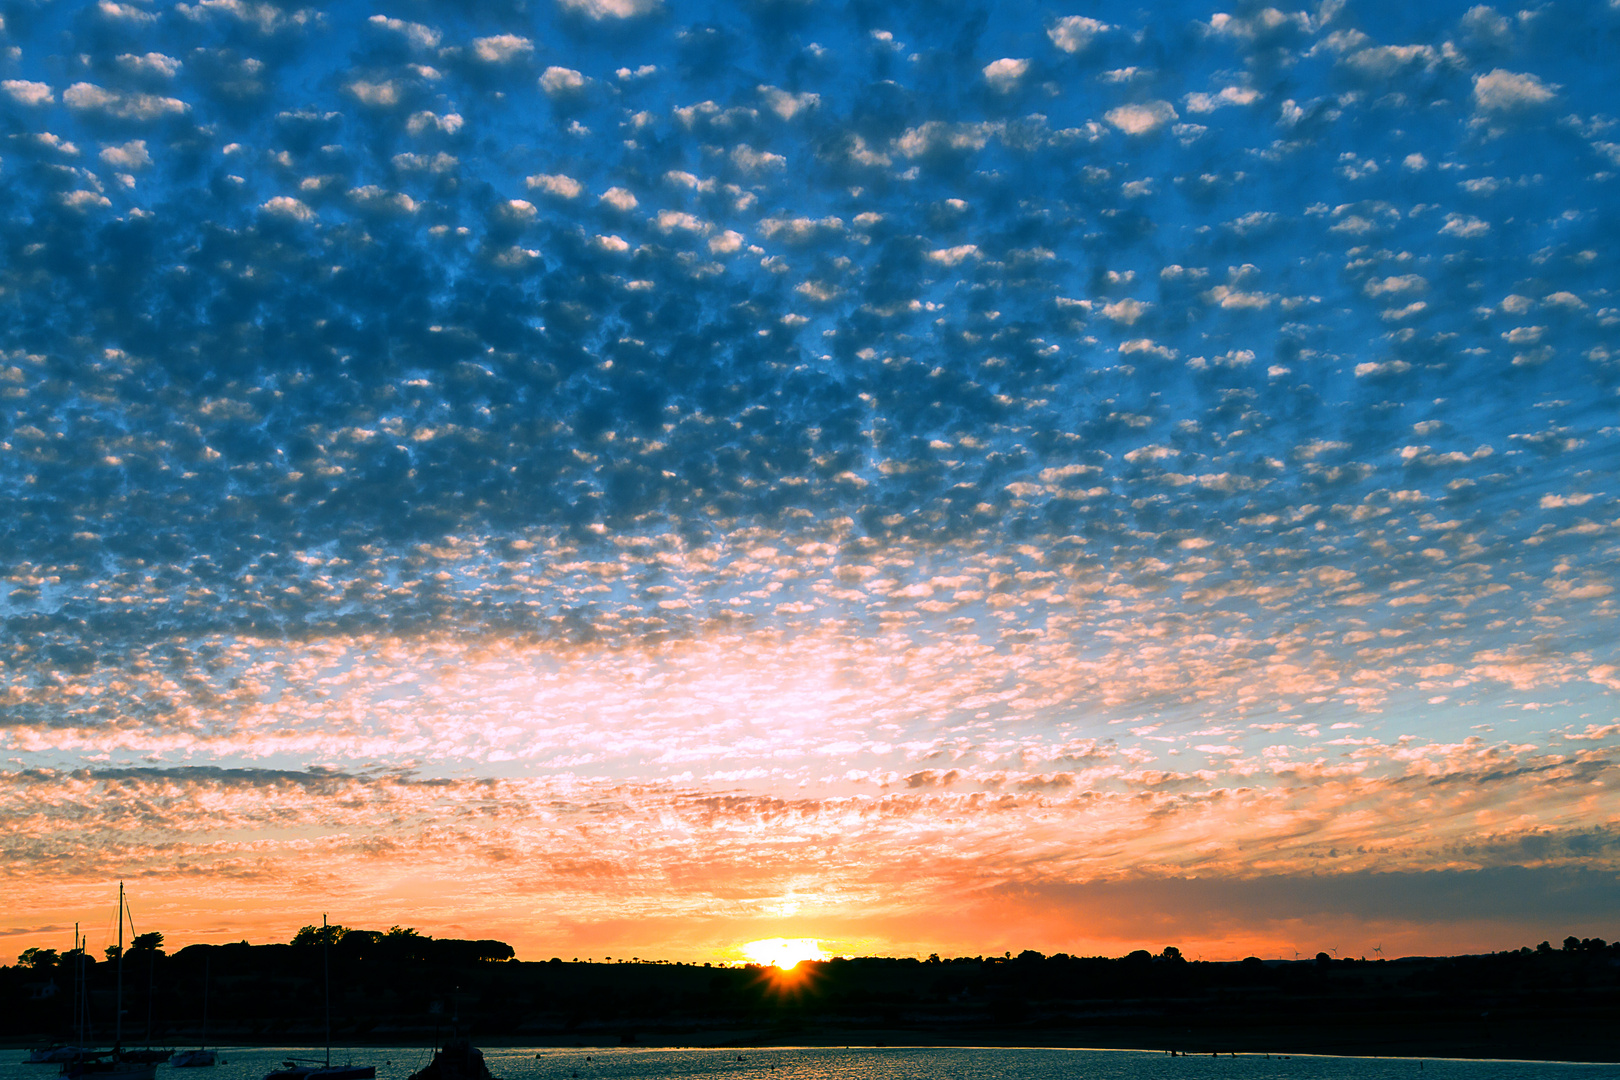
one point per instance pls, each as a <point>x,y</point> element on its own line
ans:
<point>896,1063</point>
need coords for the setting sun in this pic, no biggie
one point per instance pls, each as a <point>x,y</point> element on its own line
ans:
<point>783,953</point>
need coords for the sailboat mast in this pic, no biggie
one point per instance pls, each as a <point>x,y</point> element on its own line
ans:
<point>118,999</point>
<point>151,976</point>
<point>78,966</point>
<point>207,960</point>
<point>326,975</point>
<point>84,989</point>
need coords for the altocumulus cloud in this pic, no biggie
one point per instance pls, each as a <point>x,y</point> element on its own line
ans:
<point>611,420</point>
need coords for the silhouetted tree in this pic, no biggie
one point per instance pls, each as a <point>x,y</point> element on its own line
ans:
<point>38,959</point>
<point>320,935</point>
<point>151,942</point>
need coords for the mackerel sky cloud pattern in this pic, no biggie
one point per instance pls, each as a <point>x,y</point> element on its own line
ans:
<point>623,475</point>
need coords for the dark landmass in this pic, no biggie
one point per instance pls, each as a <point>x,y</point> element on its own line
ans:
<point>403,988</point>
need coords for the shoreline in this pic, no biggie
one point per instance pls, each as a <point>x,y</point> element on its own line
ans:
<point>1434,1047</point>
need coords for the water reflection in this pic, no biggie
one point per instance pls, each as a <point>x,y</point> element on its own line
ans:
<point>897,1063</point>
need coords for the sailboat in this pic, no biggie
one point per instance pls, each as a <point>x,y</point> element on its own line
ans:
<point>113,1064</point>
<point>188,1059</point>
<point>148,1055</point>
<point>57,1054</point>
<point>309,1070</point>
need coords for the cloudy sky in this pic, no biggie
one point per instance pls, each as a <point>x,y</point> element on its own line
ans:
<point>632,477</point>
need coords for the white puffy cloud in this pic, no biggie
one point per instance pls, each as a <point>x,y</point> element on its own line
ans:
<point>439,163</point>
<point>748,159</point>
<point>1141,119</point>
<point>788,105</point>
<point>1464,225</point>
<point>1395,285</point>
<point>558,185</point>
<point>1126,311</point>
<point>1004,75</point>
<point>88,97</point>
<point>558,81</point>
<point>682,178</point>
<point>937,135</point>
<point>384,94</point>
<point>1074,32</point>
<point>1268,20</point>
<point>265,17</point>
<point>619,198</point>
<point>1371,368</point>
<point>151,65</point>
<point>1504,91</point>
<point>952,256</point>
<point>501,48</point>
<point>1231,95</point>
<point>669,221</point>
<point>1488,25</point>
<point>130,157</point>
<point>379,200</point>
<point>612,9</point>
<point>799,230</point>
<point>1387,61</point>
<point>25,92</point>
<point>286,206</point>
<point>516,211</point>
<point>424,122</point>
<point>129,13</point>
<point>423,37</point>
<point>84,200</point>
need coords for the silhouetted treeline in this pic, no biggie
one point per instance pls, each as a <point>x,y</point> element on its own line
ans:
<point>398,976</point>
<point>399,986</point>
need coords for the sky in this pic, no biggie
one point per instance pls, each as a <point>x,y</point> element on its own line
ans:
<point>634,477</point>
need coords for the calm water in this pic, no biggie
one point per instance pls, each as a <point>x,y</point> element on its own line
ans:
<point>899,1063</point>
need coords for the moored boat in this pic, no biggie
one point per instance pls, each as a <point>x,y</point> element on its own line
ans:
<point>202,1056</point>
<point>297,1070</point>
<point>109,1065</point>
<point>191,1059</point>
<point>117,1063</point>
<point>54,1055</point>
<point>147,1056</point>
<point>458,1059</point>
<point>314,1070</point>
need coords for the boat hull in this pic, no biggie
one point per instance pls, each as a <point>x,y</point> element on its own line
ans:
<point>146,1057</point>
<point>191,1059</point>
<point>109,1070</point>
<point>325,1072</point>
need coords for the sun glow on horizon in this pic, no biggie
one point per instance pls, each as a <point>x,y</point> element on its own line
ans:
<point>783,953</point>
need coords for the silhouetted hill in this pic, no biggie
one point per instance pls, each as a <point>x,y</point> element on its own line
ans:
<point>401,987</point>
